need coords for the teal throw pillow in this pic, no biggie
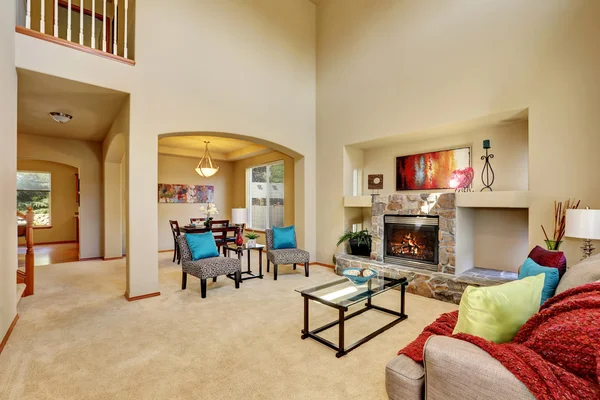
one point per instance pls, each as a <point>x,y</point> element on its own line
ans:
<point>551,275</point>
<point>284,238</point>
<point>202,245</point>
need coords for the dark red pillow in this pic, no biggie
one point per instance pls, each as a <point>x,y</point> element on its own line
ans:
<point>547,258</point>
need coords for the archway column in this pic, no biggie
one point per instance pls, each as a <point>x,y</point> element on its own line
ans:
<point>112,211</point>
<point>142,211</point>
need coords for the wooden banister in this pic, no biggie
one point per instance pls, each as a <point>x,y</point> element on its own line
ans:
<point>28,277</point>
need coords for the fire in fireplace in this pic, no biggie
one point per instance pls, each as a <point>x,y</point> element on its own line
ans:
<point>412,239</point>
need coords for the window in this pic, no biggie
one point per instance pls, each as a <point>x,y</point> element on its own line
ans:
<point>264,196</point>
<point>33,189</point>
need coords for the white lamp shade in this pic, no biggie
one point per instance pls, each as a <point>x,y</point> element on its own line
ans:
<point>583,224</point>
<point>239,216</point>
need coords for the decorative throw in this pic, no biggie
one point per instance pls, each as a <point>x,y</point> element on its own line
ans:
<point>556,354</point>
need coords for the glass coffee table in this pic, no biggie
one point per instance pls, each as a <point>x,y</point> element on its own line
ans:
<point>341,294</point>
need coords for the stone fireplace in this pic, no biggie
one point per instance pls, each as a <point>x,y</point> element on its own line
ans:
<point>415,231</point>
<point>411,240</point>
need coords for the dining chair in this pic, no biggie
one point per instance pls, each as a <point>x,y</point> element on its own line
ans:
<point>176,232</point>
<point>285,256</point>
<point>221,235</point>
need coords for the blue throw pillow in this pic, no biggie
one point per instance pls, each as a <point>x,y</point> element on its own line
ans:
<point>202,245</point>
<point>531,268</point>
<point>284,238</point>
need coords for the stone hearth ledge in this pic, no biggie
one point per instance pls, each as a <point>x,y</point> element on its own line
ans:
<point>437,285</point>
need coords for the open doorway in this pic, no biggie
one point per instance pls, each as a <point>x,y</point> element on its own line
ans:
<point>51,189</point>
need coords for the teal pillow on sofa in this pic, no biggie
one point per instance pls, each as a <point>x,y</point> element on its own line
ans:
<point>551,277</point>
<point>284,238</point>
<point>202,245</point>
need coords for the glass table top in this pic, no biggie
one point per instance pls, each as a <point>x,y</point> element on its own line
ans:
<point>342,292</point>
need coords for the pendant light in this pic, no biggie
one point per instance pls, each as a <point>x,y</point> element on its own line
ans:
<point>207,167</point>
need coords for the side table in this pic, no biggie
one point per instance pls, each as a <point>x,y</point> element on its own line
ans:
<point>240,251</point>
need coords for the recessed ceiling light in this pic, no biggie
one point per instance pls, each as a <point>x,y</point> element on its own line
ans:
<point>61,118</point>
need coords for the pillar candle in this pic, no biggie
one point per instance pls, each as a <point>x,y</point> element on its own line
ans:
<point>486,144</point>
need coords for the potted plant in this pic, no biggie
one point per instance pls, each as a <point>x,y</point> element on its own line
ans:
<point>251,236</point>
<point>360,242</point>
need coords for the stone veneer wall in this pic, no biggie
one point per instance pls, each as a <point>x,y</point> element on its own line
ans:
<point>442,205</point>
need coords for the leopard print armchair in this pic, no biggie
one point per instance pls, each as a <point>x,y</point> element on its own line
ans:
<point>285,256</point>
<point>207,267</point>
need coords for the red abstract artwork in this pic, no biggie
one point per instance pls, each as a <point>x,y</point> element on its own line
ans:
<point>430,170</point>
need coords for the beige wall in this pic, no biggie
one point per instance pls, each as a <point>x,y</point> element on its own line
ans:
<point>8,168</point>
<point>63,201</point>
<point>245,68</point>
<point>87,158</point>
<point>172,169</point>
<point>390,68</point>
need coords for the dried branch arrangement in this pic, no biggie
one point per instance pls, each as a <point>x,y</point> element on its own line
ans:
<point>560,218</point>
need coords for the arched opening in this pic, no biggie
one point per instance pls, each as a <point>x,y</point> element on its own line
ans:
<point>261,177</point>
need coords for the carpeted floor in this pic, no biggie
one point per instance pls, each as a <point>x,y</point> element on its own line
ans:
<point>78,338</point>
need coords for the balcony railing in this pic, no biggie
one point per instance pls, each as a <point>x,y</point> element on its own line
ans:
<point>102,27</point>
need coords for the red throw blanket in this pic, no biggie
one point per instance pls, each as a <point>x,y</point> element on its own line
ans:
<point>556,354</point>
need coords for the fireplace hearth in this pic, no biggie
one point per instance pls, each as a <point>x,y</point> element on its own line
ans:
<point>411,240</point>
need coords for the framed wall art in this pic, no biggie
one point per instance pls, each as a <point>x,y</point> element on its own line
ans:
<point>431,170</point>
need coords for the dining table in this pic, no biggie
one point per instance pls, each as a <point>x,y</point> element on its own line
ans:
<point>220,233</point>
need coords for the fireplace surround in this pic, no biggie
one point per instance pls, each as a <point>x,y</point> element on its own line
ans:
<point>411,240</point>
<point>437,209</point>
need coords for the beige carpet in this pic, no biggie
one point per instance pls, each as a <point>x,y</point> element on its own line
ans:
<point>78,338</point>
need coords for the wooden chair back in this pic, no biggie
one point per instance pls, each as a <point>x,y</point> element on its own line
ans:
<point>175,228</point>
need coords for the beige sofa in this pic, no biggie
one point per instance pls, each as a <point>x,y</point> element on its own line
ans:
<point>454,369</point>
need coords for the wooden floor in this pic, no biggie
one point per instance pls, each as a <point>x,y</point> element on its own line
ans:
<point>51,254</point>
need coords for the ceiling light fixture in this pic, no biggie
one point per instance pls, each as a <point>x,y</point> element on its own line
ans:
<point>61,118</point>
<point>207,166</point>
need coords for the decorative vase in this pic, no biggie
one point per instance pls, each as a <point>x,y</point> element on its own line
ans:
<point>251,243</point>
<point>239,240</point>
<point>552,244</point>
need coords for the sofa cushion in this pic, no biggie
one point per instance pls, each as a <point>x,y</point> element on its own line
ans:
<point>404,379</point>
<point>547,258</point>
<point>531,268</point>
<point>586,271</point>
<point>496,313</point>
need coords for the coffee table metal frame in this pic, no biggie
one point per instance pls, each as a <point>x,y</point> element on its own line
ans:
<point>341,350</point>
<point>239,251</point>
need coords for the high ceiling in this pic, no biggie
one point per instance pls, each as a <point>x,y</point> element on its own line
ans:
<point>93,108</point>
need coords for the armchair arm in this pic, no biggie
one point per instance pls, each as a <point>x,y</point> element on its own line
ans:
<point>455,369</point>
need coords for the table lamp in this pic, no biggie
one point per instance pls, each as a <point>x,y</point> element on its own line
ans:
<point>239,216</point>
<point>584,224</point>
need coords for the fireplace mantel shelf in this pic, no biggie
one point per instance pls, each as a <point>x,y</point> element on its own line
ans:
<point>358,201</point>
<point>506,199</point>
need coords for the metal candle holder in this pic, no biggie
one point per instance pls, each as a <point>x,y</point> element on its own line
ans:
<point>487,173</point>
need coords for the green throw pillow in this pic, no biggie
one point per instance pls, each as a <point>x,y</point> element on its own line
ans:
<point>496,313</point>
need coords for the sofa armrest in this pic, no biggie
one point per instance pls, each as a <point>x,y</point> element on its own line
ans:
<point>455,369</point>
<point>404,379</point>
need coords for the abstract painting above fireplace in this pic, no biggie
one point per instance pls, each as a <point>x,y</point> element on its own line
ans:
<point>430,170</point>
<point>411,240</point>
